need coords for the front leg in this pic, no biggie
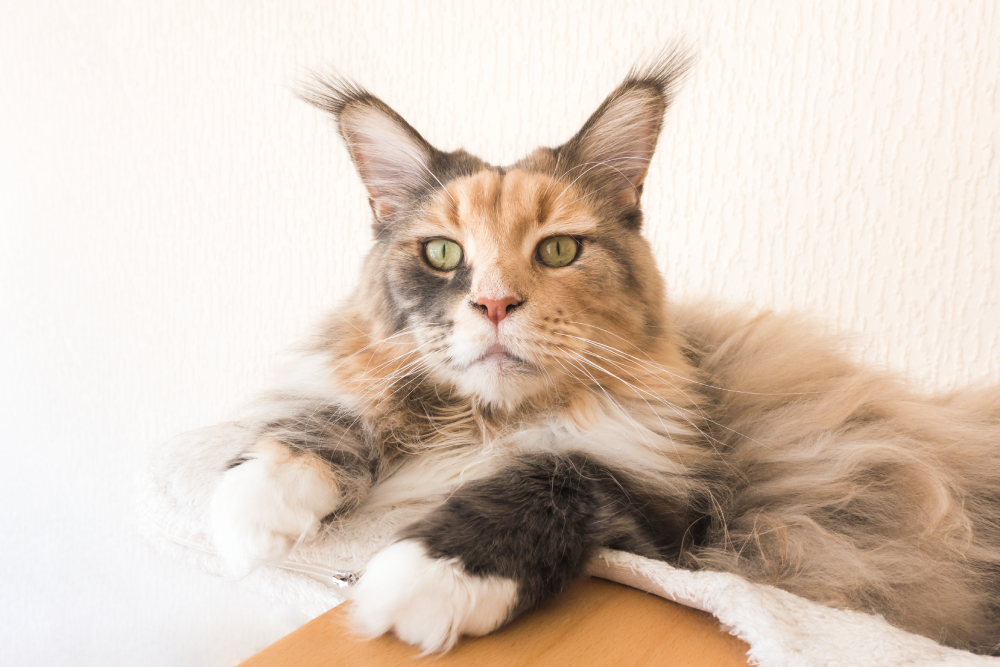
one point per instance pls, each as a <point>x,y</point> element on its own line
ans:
<point>300,469</point>
<point>496,548</point>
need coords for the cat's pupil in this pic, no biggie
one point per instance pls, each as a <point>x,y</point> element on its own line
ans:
<point>558,251</point>
<point>443,254</point>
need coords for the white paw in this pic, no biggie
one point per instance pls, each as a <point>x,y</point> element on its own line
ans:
<point>428,602</point>
<point>263,506</point>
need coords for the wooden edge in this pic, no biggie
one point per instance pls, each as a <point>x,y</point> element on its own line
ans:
<point>596,622</point>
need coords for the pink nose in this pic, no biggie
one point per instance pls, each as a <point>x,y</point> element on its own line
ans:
<point>497,309</point>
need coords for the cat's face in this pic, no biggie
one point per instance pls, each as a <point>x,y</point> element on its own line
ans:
<point>538,269</point>
<point>516,280</point>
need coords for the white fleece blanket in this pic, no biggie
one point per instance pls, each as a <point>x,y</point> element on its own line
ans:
<point>783,630</point>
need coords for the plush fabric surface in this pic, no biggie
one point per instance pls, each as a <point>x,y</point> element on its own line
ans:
<point>783,630</point>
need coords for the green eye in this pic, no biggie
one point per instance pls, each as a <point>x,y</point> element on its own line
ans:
<point>558,251</point>
<point>443,255</point>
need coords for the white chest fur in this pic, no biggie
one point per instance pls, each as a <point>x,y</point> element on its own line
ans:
<point>633,438</point>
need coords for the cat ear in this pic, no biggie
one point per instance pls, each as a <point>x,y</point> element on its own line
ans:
<point>391,157</point>
<point>612,152</point>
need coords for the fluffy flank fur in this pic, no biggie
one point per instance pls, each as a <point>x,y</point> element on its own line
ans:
<point>511,363</point>
<point>845,486</point>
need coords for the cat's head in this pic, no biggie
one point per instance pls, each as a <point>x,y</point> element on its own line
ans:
<point>511,280</point>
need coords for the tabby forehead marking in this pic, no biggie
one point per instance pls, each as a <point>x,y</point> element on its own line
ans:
<point>498,215</point>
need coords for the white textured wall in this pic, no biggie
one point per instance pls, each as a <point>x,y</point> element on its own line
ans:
<point>171,216</point>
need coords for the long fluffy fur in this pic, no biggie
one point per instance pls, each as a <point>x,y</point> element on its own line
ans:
<point>596,414</point>
<point>845,486</point>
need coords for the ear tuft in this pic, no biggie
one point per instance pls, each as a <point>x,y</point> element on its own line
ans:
<point>612,151</point>
<point>391,157</point>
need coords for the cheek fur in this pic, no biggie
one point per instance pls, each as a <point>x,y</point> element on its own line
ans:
<point>418,294</point>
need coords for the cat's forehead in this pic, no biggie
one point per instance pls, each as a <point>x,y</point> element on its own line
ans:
<point>504,207</point>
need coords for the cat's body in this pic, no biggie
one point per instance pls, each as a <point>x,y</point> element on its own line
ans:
<point>510,363</point>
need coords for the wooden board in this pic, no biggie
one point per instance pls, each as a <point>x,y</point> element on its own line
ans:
<point>596,623</point>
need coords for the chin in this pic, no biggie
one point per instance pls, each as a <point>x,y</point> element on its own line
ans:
<point>502,383</point>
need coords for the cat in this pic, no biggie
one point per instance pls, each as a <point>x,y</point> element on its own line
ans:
<point>511,360</point>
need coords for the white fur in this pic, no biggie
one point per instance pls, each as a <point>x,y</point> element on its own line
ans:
<point>430,476</point>
<point>646,439</point>
<point>263,506</point>
<point>500,382</point>
<point>428,602</point>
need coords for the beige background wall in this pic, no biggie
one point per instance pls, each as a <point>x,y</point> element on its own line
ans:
<point>171,216</point>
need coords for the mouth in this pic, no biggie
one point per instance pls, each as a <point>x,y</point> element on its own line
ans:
<point>501,357</point>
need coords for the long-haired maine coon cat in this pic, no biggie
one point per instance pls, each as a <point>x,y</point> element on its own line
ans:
<point>510,360</point>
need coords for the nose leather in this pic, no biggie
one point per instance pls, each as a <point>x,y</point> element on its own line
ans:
<point>496,309</point>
